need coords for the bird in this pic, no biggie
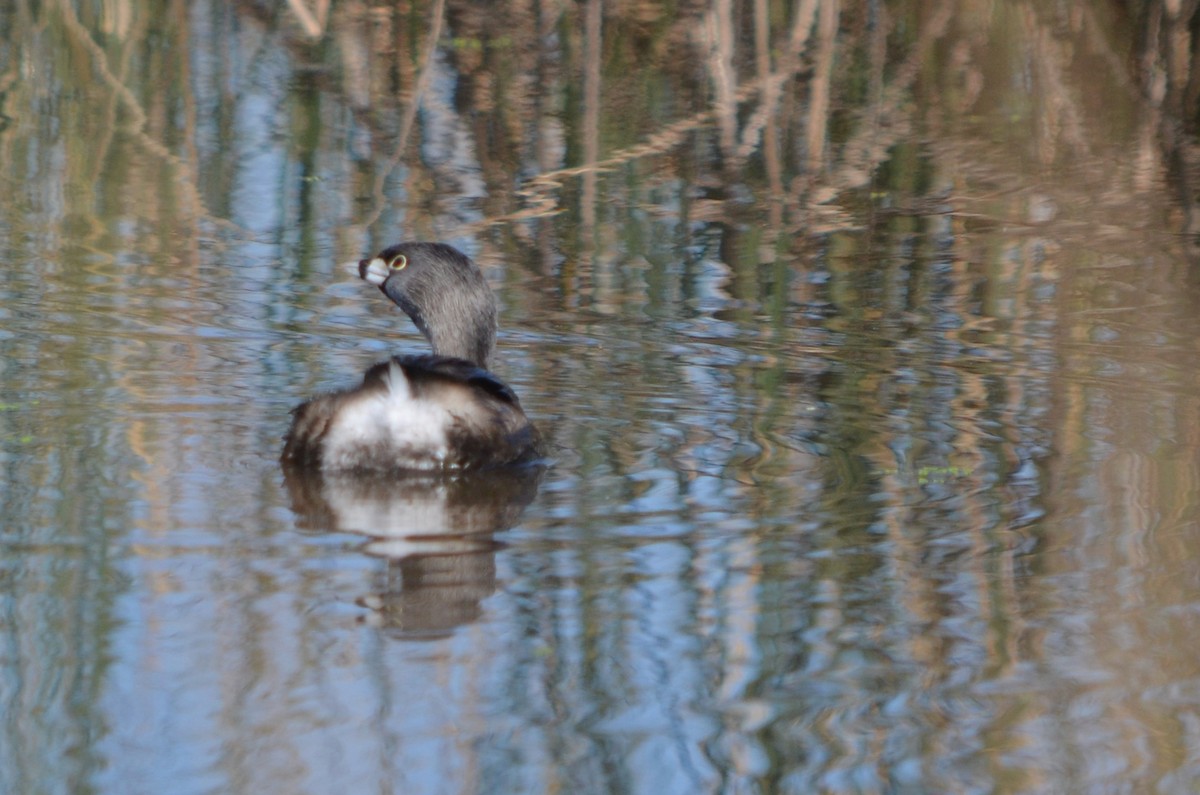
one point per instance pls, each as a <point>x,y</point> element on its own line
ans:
<point>443,411</point>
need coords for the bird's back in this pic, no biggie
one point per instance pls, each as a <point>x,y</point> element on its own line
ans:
<point>414,413</point>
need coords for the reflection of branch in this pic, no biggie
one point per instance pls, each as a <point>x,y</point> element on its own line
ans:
<point>410,114</point>
<point>1059,116</point>
<point>138,119</point>
<point>860,153</point>
<point>772,84</point>
<point>539,191</point>
<point>591,112</point>
<point>313,24</point>
<point>864,151</point>
<point>818,110</point>
<point>718,28</point>
<point>770,130</point>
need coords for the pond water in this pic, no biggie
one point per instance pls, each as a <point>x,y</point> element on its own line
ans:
<point>865,336</point>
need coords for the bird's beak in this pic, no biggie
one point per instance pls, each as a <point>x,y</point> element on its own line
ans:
<point>373,270</point>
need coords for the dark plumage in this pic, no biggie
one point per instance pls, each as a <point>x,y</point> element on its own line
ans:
<point>443,411</point>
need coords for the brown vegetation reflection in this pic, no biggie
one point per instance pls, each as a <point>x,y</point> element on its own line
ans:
<point>561,95</point>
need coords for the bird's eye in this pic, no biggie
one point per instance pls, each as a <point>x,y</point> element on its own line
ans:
<point>398,262</point>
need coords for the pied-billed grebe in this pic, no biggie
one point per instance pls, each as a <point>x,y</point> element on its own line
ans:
<point>443,411</point>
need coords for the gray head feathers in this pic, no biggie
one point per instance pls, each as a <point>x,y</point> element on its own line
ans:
<point>443,292</point>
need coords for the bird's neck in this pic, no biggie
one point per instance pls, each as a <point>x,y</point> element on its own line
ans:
<point>476,345</point>
<point>461,324</point>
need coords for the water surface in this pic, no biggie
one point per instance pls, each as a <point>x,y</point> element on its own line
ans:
<point>865,336</point>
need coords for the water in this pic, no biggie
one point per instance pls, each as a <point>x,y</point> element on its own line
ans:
<point>872,403</point>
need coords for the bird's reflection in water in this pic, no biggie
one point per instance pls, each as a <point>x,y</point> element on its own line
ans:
<point>437,533</point>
